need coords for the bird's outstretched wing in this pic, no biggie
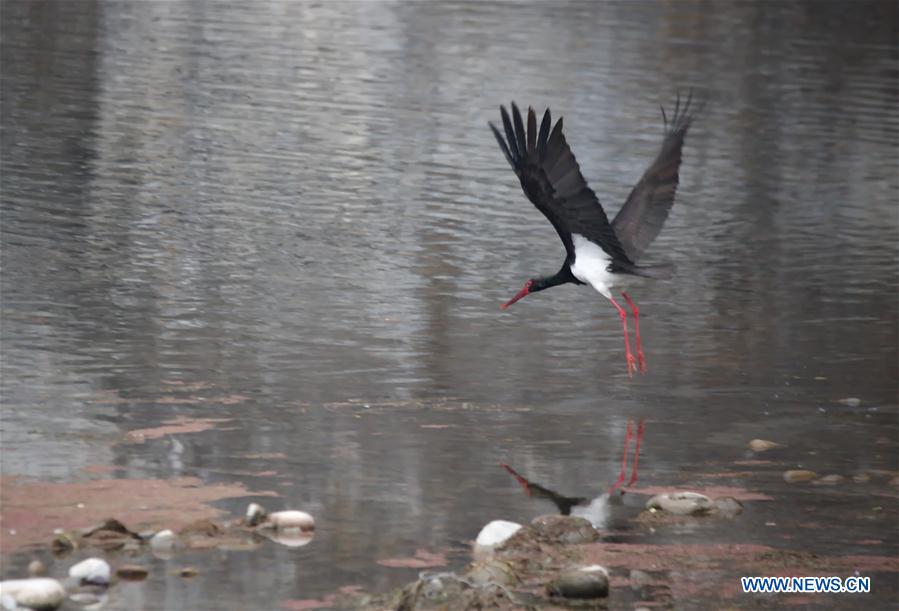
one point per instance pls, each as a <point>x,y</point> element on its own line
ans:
<point>641,217</point>
<point>552,180</point>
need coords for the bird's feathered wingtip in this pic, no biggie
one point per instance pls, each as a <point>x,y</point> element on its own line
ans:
<point>683,114</point>
<point>521,138</point>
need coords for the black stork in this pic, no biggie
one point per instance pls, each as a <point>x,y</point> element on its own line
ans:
<point>598,253</point>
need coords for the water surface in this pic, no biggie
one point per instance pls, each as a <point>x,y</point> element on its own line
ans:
<point>293,216</point>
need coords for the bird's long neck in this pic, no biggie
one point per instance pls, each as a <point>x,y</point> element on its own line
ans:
<point>563,276</point>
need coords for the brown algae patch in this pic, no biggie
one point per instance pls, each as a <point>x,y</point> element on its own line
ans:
<point>423,559</point>
<point>32,510</point>
<point>179,425</point>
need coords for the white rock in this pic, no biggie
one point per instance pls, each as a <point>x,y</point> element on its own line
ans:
<point>290,520</point>
<point>38,593</point>
<point>95,571</point>
<point>255,514</point>
<point>496,533</point>
<point>681,503</point>
<point>163,541</point>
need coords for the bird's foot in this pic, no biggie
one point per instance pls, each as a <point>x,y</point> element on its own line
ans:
<point>631,364</point>
<point>641,360</point>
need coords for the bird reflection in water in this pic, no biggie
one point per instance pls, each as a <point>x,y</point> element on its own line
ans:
<point>596,509</point>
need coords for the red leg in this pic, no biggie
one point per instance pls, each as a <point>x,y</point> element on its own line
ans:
<point>636,454</point>
<point>627,441</point>
<point>636,312</point>
<point>631,361</point>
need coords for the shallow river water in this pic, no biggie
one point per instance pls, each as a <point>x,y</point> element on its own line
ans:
<point>284,230</point>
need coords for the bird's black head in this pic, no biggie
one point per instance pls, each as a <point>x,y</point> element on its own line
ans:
<point>533,285</point>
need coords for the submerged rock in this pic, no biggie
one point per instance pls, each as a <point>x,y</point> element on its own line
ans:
<point>201,528</point>
<point>88,598</point>
<point>162,539</point>
<point>728,506</point>
<point>681,503</point>
<point>639,579</point>
<point>829,480</point>
<point>799,475</point>
<point>584,582</point>
<point>163,543</point>
<point>132,572</point>
<point>92,571</point>
<point>496,533</point>
<point>38,593</point>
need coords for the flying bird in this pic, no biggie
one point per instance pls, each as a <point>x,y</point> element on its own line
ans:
<point>597,252</point>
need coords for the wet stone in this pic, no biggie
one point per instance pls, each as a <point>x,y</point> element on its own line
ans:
<point>762,445</point>
<point>93,571</point>
<point>799,475</point>
<point>681,503</point>
<point>110,525</point>
<point>290,520</point>
<point>162,544</point>
<point>188,572</point>
<point>38,593</point>
<point>63,544</point>
<point>496,533</point>
<point>36,568</point>
<point>861,478</point>
<point>584,582</point>
<point>255,514</point>
<point>566,530</point>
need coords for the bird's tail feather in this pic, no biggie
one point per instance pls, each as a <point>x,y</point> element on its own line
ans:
<point>659,271</point>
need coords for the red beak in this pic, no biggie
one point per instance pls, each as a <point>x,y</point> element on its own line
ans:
<point>522,293</point>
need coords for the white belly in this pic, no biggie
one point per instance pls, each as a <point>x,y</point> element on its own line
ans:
<point>591,265</point>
